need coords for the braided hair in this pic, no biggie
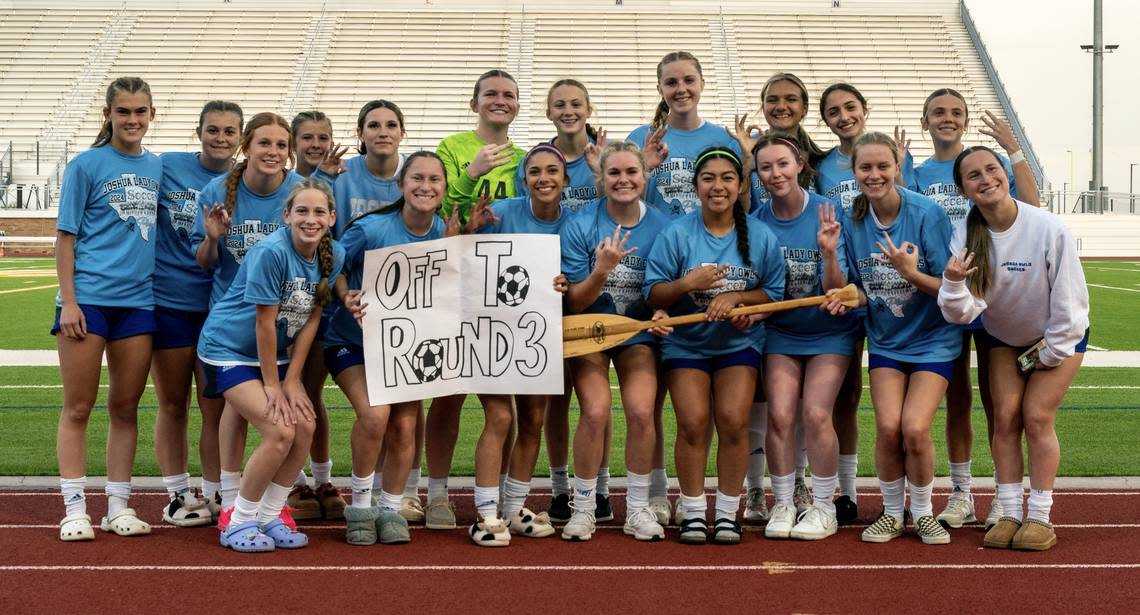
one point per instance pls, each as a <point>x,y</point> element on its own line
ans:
<point>739,216</point>
<point>323,294</point>
<point>258,121</point>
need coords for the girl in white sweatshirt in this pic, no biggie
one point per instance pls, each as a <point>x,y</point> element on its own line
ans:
<point>1018,266</point>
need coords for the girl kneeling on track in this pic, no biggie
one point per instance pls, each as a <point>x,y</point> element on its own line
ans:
<point>806,352</point>
<point>275,301</point>
<point>897,246</point>
<point>105,262</point>
<point>1027,280</point>
<point>604,250</point>
<point>713,260</point>
<point>410,219</point>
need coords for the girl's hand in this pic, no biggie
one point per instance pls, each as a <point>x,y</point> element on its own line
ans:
<point>721,305</point>
<point>72,322</point>
<point>743,134</point>
<point>1000,132</point>
<point>217,222</point>
<point>611,250</point>
<point>451,225</point>
<point>593,152</point>
<point>300,406</point>
<point>705,277</point>
<point>654,150</point>
<point>354,302</point>
<point>277,406</point>
<point>903,144</point>
<point>490,157</point>
<point>903,258</point>
<point>834,306</point>
<point>829,229</point>
<point>561,284</point>
<point>660,331</point>
<point>480,215</point>
<point>958,267</point>
<point>333,163</point>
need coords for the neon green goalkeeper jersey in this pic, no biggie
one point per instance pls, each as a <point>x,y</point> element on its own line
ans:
<point>457,151</point>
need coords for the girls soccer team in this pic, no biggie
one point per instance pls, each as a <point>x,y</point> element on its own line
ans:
<point>231,276</point>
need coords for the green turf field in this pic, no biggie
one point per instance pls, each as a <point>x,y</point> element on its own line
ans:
<point>1097,424</point>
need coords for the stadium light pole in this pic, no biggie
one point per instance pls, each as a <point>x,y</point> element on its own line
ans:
<point>1098,49</point>
<point>1131,194</point>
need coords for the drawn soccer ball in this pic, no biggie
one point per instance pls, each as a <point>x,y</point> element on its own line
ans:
<point>514,284</point>
<point>427,360</point>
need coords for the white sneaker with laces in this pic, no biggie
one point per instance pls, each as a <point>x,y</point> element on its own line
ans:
<point>781,521</point>
<point>815,524</point>
<point>756,505</point>
<point>659,506</point>
<point>959,510</point>
<point>643,525</point>
<point>580,527</point>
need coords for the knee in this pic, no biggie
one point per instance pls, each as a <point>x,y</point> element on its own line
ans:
<point>916,436</point>
<point>818,420</point>
<point>497,421</point>
<point>889,437</point>
<point>372,426</point>
<point>1039,426</point>
<point>530,426</point>
<point>731,432</point>
<point>123,410</point>
<point>594,417</point>
<point>77,412</point>
<point>278,438</point>
<point>781,426</point>
<point>692,433</point>
<point>1007,423</point>
<point>640,419</point>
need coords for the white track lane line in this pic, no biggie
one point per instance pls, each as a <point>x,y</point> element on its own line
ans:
<point>766,567</point>
<point>615,493</point>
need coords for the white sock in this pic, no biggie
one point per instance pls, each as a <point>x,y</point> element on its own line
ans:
<point>801,447</point>
<point>74,501</point>
<point>727,505</point>
<point>920,501</point>
<point>894,497</point>
<point>560,480</point>
<point>584,491</point>
<point>390,502</point>
<point>301,478</point>
<point>272,501</point>
<point>1010,496</point>
<point>514,496</point>
<point>960,476</point>
<point>604,481</point>
<point>695,506</point>
<point>178,484</point>
<point>784,487</point>
<point>487,501</point>
<point>757,432</point>
<point>209,488</point>
<point>636,493</point>
<point>502,489</point>
<point>822,490</point>
<point>1040,504</point>
<point>362,490</point>
<point>231,482</point>
<point>658,483</point>
<point>244,510</point>
<point>437,488</point>
<point>322,472</point>
<point>377,481</point>
<point>412,485</point>
<point>848,468</point>
<point>118,496</point>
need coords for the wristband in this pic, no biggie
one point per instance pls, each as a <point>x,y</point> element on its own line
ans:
<point>1016,157</point>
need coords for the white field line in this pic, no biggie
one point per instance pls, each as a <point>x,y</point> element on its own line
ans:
<point>1131,290</point>
<point>771,567</point>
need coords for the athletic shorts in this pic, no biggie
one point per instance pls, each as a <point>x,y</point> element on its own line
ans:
<point>220,378</point>
<point>942,368</point>
<point>340,358</point>
<point>994,342</point>
<point>323,326</point>
<point>710,365</point>
<point>113,323</point>
<point>177,328</point>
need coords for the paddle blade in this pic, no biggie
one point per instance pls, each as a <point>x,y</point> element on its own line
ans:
<point>849,296</point>
<point>583,334</point>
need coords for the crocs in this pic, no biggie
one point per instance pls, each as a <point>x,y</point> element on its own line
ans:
<point>283,537</point>
<point>125,523</point>
<point>75,528</point>
<point>246,538</point>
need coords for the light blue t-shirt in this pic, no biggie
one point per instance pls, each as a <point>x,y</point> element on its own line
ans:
<point>581,187</point>
<point>835,180</point>
<point>516,215</point>
<point>685,245</point>
<point>358,191</point>
<point>670,188</point>
<point>759,194</point>
<point>808,330</point>
<point>369,232</point>
<point>255,216</point>
<point>902,322</point>
<point>109,201</point>
<point>622,292</point>
<point>935,179</point>
<point>179,283</point>
<point>272,273</point>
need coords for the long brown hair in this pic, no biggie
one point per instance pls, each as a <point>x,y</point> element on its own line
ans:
<point>323,294</point>
<point>132,85</point>
<point>812,152</point>
<point>264,118</point>
<point>977,230</point>
<point>779,137</point>
<point>662,111</point>
<point>861,203</point>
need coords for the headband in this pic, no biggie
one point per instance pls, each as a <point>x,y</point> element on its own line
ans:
<point>718,151</point>
<point>545,147</point>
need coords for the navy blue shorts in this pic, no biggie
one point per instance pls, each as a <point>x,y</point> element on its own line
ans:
<point>221,378</point>
<point>113,323</point>
<point>994,342</point>
<point>177,328</point>
<point>323,326</point>
<point>710,365</point>
<point>942,368</point>
<point>340,358</point>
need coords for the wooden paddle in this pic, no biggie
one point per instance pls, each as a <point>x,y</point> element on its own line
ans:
<point>586,333</point>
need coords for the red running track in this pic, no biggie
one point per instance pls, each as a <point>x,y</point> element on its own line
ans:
<point>1094,567</point>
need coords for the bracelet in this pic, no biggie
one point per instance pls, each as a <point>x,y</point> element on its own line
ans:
<point>1016,157</point>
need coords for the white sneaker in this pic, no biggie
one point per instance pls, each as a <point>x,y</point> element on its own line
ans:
<point>412,509</point>
<point>580,527</point>
<point>995,513</point>
<point>781,521</point>
<point>659,506</point>
<point>679,515</point>
<point>643,525</point>
<point>756,505</point>
<point>815,524</point>
<point>959,510</point>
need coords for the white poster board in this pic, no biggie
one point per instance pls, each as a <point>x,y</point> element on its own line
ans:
<point>467,314</point>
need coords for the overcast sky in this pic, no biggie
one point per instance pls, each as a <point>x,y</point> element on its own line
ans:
<point>1035,46</point>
